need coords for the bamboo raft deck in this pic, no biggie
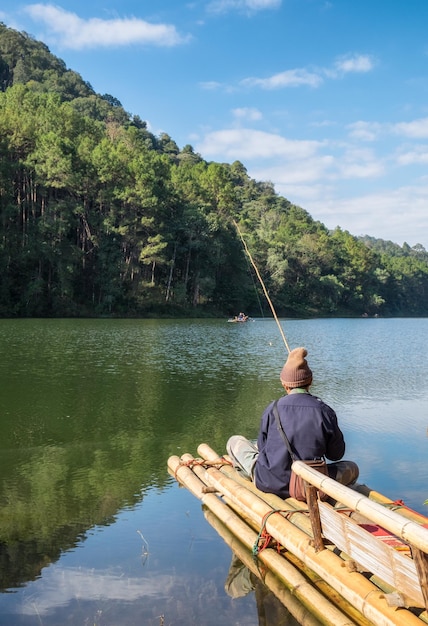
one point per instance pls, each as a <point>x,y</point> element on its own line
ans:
<point>358,559</point>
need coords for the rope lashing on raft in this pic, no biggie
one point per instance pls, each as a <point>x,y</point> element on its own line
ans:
<point>202,462</point>
<point>264,539</point>
<point>396,505</point>
<point>400,504</point>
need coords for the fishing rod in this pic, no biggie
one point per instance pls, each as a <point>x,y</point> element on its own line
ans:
<point>263,285</point>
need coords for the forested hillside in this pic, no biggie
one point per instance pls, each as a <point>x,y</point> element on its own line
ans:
<point>101,217</point>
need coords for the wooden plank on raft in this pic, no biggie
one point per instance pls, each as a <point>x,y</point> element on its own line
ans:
<point>421,562</point>
<point>314,515</point>
<point>374,550</point>
<point>377,605</point>
<point>409,531</point>
<point>384,546</point>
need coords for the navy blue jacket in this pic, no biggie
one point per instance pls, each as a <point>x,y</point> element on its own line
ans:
<point>312,429</point>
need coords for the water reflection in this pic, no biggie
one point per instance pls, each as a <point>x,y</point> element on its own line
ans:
<point>270,611</point>
<point>92,409</point>
<point>275,603</point>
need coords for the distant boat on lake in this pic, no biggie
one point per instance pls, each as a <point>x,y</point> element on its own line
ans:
<point>240,318</point>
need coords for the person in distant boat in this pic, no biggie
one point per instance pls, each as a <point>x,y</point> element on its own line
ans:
<point>242,317</point>
<point>310,425</point>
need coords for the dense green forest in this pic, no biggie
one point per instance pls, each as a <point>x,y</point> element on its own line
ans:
<point>100,217</point>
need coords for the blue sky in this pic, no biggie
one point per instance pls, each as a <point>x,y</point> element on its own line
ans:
<point>328,100</point>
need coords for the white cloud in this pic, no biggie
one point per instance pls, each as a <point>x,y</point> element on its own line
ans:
<point>210,85</point>
<point>247,113</point>
<point>357,63</point>
<point>289,78</point>
<point>249,144</point>
<point>418,129</point>
<point>223,6</point>
<point>365,131</point>
<point>418,155</point>
<point>369,131</point>
<point>300,76</point>
<point>287,161</point>
<point>323,124</point>
<point>295,172</point>
<point>70,31</point>
<point>387,214</point>
<point>371,169</point>
<point>261,4</point>
<point>304,195</point>
<point>359,163</point>
<point>315,175</point>
<point>60,585</point>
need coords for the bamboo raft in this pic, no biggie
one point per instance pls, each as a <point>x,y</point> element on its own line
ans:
<point>357,559</point>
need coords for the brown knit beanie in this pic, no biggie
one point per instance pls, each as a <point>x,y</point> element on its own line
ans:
<point>296,372</point>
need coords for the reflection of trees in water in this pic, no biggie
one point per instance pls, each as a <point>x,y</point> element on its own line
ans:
<point>103,406</point>
<point>50,500</point>
<point>22,561</point>
<point>57,495</point>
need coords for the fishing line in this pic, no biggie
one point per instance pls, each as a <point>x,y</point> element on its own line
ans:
<point>263,286</point>
<point>255,287</point>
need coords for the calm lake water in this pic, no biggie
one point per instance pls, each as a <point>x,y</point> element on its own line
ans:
<point>93,530</point>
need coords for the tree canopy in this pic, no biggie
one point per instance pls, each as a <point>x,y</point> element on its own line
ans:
<point>100,217</point>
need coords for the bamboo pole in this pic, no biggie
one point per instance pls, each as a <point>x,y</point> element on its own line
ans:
<point>299,517</point>
<point>408,530</point>
<point>297,584</point>
<point>298,509</point>
<point>397,506</point>
<point>354,587</point>
<point>301,520</point>
<point>271,580</point>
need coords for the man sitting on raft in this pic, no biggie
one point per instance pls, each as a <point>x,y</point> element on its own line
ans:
<point>310,425</point>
